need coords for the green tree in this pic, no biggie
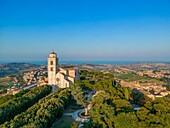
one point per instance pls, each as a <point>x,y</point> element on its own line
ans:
<point>77,94</point>
<point>126,92</point>
<point>142,113</point>
<point>19,104</point>
<point>126,120</point>
<point>44,113</point>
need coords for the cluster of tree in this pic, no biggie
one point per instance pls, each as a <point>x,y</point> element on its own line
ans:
<point>103,81</point>
<point>107,106</point>
<point>109,111</point>
<point>42,114</point>
<point>9,97</point>
<point>19,104</point>
<point>96,84</point>
<point>111,107</point>
<point>93,82</point>
<point>138,97</point>
<point>77,95</point>
<point>155,113</point>
<point>164,79</point>
<point>94,75</point>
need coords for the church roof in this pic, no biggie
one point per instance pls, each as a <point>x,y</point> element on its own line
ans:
<point>53,52</point>
<point>70,68</point>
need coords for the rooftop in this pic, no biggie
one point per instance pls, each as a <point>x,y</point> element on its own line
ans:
<point>53,52</point>
<point>70,68</point>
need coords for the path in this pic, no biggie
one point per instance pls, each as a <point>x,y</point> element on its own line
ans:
<point>31,86</point>
<point>67,114</point>
<point>75,115</point>
<point>54,87</point>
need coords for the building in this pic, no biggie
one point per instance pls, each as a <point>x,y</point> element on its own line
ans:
<point>62,77</point>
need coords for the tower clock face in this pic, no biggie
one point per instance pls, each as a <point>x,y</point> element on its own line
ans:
<point>58,79</point>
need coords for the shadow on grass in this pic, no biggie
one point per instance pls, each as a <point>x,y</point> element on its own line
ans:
<point>63,122</point>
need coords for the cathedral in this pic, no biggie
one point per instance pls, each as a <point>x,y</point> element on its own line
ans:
<point>62,77</point>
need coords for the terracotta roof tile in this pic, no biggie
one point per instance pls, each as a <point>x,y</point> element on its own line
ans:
<point>53,52</point>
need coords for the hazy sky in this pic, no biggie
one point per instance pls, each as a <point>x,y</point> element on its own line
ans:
<point>85,29</point>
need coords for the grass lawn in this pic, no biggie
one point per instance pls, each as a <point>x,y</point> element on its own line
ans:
<point>71,108</point>
<point>63,122</point>
<point>125,76</point>
<point>134,77</point>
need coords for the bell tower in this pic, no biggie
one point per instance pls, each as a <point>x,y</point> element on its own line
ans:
<point>52,68</point>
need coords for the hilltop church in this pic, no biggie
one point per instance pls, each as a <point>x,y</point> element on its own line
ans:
<point>62,77</point>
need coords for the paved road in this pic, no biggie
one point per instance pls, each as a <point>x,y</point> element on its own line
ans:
<point>75,115</point>
<point>68,114</point>
<point>30,86</point>
<point>54,87</point>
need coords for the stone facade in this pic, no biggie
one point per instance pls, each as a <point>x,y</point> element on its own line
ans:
<point>62,77</point>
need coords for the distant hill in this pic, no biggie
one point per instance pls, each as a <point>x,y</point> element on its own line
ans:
<point>14,68</point>
<point>148,66</point>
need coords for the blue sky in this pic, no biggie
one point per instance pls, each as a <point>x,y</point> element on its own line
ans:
<point>85,29</point>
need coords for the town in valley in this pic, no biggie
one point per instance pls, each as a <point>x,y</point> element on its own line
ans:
<point>152,79</point>
<point>142,83</point>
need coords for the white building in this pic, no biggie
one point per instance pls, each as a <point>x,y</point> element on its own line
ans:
<point>62,77</point>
